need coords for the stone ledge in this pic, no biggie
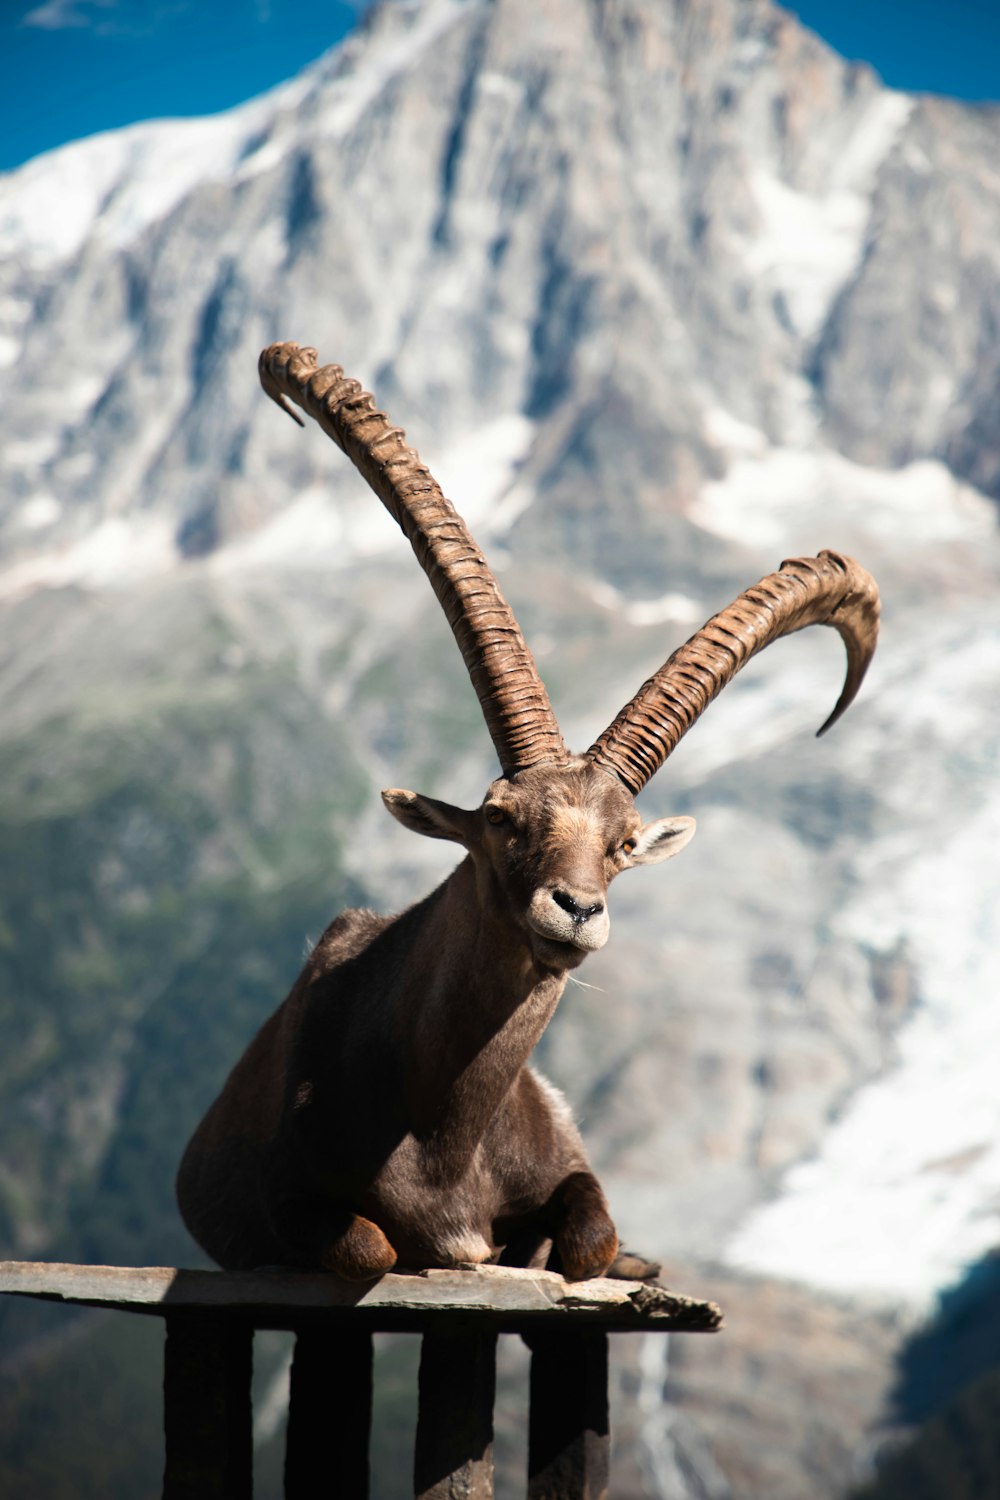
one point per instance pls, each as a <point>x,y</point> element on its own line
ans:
<point>500,1297</point>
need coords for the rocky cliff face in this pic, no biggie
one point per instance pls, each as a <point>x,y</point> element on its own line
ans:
<point>663,293</point>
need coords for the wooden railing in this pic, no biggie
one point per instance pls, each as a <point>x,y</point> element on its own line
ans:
<point>211,1317</point>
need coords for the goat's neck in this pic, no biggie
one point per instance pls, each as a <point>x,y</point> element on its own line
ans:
<point>469,1018</point>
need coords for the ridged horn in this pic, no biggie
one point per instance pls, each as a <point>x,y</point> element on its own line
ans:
<point>503,672</point>
<point>824,590</point>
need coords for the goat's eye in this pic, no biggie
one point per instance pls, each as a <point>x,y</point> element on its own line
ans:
<point>496,816</point>
<point>628,847</point>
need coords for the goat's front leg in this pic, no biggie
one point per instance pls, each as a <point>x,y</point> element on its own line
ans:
<point>326,1236</point>
<point>360,1252</point>
<point>586,1241</point>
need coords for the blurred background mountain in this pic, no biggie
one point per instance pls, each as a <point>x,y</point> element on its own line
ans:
<point>662,292</point>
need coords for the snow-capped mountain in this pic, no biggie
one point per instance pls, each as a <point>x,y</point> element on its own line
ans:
<point>663,293</point>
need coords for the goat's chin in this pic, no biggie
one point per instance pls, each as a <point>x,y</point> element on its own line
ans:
<point>551,953</point>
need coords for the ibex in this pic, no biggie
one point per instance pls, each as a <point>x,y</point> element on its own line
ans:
<point>386,1111</point>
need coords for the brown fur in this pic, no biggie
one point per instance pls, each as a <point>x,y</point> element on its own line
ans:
<point>386,1109</point>
<point>385,1112</point>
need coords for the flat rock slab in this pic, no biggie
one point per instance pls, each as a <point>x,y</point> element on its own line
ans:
<point>501,1297</point>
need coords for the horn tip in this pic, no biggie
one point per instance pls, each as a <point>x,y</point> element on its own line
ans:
<point>270,385</point>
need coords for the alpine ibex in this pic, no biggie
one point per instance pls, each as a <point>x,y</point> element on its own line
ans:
<point>385,1112</point>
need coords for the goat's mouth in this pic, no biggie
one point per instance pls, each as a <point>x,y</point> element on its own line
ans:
<point>553,953</point>
<point>563,944</point>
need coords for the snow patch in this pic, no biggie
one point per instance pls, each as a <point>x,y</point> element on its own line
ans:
<point>39,511</point>
<point>903,1195</point>
<point>31,453</point>
<point>115,554</point>
<point>316,529</point>
<point>332,532</point>
<point>784,492</point>
<point>78,396</point>
<point>477,472</point>
<point>114,185</point>
<point>641,612</point>
<point>877,133</point>
<point>735,436</point>
<point>807,246</point>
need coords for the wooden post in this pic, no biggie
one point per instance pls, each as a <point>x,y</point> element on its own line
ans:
<point>210,1316</point>
<point>208,1427</point>
<point>329,1414</point>
<point>454,1451</point>
<point>568,1428</point>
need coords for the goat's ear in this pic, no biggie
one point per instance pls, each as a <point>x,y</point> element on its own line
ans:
<point>437,820</point>
<point>661,840</point>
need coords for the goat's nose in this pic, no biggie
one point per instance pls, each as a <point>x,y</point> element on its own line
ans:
<point>576,909</point>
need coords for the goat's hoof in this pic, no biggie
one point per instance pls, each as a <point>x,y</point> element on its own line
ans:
<point>628,1266</point>
<point>587,1247</point>
<point>361,1253</point>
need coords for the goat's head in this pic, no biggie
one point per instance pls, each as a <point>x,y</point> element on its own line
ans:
<point>546,843</point>
<point>555,829</point>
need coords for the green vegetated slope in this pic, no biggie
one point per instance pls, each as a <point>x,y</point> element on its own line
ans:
<point>170,840</point>
<point>954,1456</point>
<point>944,1419</point>
<point>84,1417</point>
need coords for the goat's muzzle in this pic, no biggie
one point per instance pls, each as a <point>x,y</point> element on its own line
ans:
<point>576,918</point>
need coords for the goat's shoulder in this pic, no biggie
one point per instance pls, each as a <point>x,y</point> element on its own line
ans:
<point>348,934</point>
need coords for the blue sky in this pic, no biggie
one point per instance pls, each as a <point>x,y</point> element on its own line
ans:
<point>71,67</point>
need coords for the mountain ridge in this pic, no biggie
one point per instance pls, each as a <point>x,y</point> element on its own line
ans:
<point>662,294</point>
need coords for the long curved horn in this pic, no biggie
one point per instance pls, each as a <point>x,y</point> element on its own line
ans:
<point>824,590</point>
<point>503,672</point>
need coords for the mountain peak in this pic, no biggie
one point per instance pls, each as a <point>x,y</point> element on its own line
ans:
<point>592,219</point>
